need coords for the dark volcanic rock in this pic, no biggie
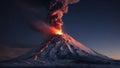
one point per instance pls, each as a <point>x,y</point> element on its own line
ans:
<point>59,49</point>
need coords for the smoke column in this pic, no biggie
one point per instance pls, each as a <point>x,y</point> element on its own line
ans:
<point>56,9</point>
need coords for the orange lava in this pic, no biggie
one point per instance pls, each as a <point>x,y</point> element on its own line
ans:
<point>57,21</point>
<point>57,32</point>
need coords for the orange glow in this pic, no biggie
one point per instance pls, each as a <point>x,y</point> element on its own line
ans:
<point>57,22</point>
<point>56,31</point>
<point>59,32</point>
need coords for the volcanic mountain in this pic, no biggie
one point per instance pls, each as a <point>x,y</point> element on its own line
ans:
<point>65,47</point>
<point>60,49</point>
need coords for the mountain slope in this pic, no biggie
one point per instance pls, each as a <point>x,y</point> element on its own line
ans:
<point>60,49</point>
<point>64,46</point>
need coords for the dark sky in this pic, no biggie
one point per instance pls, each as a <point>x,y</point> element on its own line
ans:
<point>95,23</point>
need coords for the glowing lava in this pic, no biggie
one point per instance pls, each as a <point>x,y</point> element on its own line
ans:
<point>57,32</point>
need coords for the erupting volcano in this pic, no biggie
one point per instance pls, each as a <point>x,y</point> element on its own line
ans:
<point>56,10</point>
<point>59,47</point>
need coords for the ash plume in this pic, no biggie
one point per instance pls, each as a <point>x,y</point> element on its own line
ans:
<point>56,9</point>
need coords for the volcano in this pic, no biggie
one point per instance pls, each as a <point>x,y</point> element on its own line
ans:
<point>60,49</point>
<point>65,47</point>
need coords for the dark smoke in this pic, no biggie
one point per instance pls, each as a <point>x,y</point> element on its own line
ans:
<point>55,9</point>
<point>50,5</point>
<point>46,3</point>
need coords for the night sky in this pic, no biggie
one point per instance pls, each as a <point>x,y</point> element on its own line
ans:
<point>95,23</point>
